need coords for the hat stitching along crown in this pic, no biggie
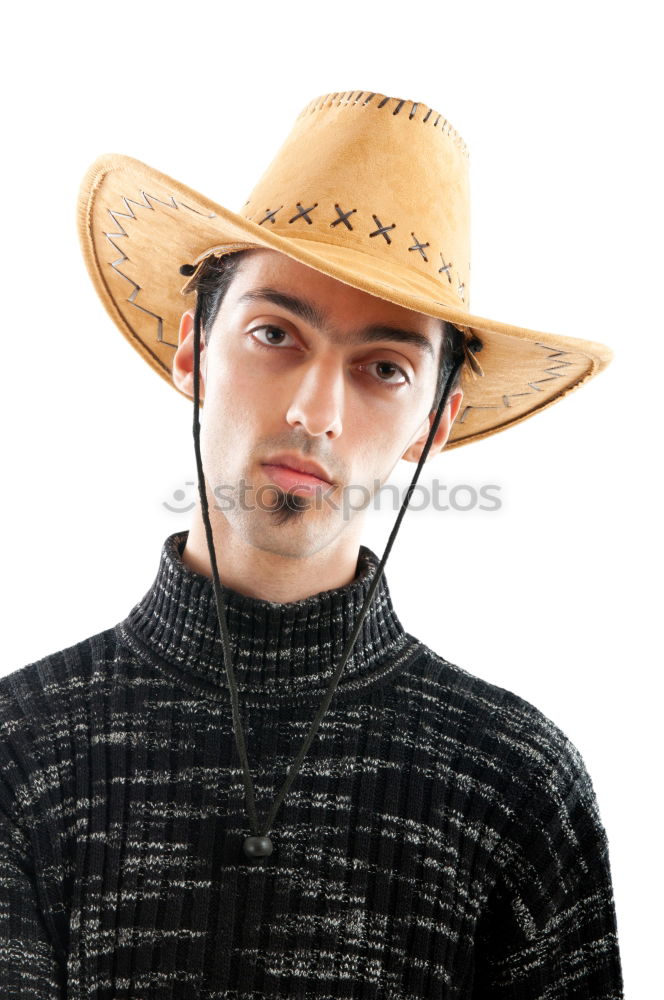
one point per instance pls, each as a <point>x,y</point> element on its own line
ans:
<point>327,100</point>
<point>303,213</point>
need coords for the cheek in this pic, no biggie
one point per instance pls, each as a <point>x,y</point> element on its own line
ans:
<point>385,438</point>
<point>230,413</point>
<point>230,387</point>
<point>371,446</point>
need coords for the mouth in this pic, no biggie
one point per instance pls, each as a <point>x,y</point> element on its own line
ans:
<point>289,472</point>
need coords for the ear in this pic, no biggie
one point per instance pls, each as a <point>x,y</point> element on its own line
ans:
<point>183,359</point>
<point>415,449</point>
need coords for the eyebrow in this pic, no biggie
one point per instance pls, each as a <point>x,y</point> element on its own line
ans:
<point>313,315</point>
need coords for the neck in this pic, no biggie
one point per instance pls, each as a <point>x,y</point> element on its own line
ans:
<point>280,652</point>
<point>256,569</point>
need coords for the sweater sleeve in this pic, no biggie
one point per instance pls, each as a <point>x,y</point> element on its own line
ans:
<point>32,962</point>
<point>28,963</point>
<point>549,928</point>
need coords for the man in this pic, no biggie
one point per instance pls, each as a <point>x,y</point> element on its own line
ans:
<point>317,392</point>
<point>435,835</point>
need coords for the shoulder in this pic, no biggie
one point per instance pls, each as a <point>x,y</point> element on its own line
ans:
<point>41,696</point>
<point>519,785</point>
<point>48,719</point>
<point>499,733</point>
<point>532,794</point>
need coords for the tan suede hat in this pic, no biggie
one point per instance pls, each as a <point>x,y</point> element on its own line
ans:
<point>368,189</point>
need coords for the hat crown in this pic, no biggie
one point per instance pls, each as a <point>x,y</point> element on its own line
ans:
<point>381,175</point>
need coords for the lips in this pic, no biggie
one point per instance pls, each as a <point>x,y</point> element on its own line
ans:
<point>311,473</point>
<point>291,479</point>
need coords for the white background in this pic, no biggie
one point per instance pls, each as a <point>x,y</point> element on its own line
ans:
<point>555,595</point>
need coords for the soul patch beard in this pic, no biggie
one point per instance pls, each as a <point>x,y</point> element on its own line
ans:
<point>288,507</point>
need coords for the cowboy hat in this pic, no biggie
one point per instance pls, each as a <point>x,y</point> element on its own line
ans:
<point>368,189</point>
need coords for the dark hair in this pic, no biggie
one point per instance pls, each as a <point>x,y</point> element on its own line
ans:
<point>216,275</point>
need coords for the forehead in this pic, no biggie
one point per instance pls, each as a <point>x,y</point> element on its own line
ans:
<point>337,302</point>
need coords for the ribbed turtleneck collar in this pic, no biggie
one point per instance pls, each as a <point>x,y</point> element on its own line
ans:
<point>280,651</point>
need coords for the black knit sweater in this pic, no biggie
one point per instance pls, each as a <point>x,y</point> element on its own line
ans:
<point>442,839</point>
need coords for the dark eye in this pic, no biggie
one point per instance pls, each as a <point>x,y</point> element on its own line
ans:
<point>395,369</point>
<point>270,330</point>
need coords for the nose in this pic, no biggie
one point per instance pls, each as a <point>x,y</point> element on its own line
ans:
<point>318,401</point>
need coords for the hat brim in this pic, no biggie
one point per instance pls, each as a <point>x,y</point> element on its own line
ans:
<point>137,226</point>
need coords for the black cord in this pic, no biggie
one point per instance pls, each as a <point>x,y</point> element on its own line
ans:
<point>221,608</point>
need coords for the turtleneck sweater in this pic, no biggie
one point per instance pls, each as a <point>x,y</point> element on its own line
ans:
<point>441,840</point>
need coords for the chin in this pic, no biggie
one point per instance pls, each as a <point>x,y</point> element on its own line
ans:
<point>286,533</point>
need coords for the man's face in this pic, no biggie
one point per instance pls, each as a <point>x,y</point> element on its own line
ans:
<point>276,379</point>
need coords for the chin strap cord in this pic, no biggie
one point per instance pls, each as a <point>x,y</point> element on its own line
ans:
<point>260,844</point>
